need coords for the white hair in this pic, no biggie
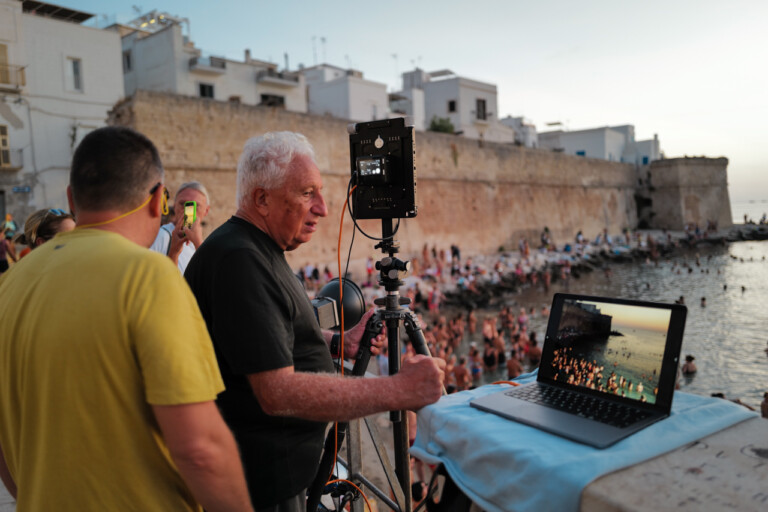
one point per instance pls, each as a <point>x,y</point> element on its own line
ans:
<point>194,185</point>
<point>266,160</point>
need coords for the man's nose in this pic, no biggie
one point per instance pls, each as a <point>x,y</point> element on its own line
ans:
<point>320,208</point>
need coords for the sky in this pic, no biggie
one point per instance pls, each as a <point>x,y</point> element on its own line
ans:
<point>692,71</point>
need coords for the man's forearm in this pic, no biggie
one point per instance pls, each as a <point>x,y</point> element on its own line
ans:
<point>215,476</point>
<point>206,455</point>
<point>327,397</point>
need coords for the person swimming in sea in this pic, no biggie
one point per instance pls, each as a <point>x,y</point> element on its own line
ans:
<point>689,367</point>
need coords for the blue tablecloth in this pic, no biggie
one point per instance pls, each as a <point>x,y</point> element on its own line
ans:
<point>503,465</point>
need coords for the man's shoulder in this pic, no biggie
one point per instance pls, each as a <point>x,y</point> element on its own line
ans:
<point>230,246</point>
<point>238,235</point>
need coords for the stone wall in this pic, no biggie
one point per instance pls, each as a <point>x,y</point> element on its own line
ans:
<point>690,190</point>
<point>480,198</point>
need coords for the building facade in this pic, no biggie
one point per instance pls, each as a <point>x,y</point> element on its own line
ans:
<point>612,143</point>
<point>525,131</point>
<point>58,81</point>
<point>158,56</point>
<point>470,105</point>
<point>345,94</point>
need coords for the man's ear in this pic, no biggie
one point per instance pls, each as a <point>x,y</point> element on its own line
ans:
<point>260,198</point>
<point>156,203</point>
<point>71,201</point>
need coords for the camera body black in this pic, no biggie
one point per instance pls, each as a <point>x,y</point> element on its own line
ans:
<point>382,162</point>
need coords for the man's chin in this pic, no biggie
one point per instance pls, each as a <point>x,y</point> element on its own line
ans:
<point>296,243</point>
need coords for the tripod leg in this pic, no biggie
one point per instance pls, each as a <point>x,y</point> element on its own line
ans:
<point>415,334</point>
<point>372,328</point>
<point>399,418</point>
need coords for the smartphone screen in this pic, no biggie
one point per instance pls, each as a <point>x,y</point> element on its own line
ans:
<point>190,213</point>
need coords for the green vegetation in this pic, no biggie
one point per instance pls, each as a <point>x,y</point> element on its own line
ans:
<point>441,124</point>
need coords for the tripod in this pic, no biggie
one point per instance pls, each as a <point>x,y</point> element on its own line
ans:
<point>391,314</point>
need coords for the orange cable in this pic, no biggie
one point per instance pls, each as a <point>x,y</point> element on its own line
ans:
<point>356,487</point>
<point>341,344</point>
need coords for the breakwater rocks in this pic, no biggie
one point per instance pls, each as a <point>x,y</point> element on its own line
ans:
<point>745,232</point>
<point>492,290</point>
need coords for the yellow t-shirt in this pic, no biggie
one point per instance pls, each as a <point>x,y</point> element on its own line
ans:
<point>95,329</point>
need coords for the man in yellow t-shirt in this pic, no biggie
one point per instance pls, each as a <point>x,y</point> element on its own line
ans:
<point>107,372</point>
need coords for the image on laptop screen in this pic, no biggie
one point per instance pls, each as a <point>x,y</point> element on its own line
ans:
<point>613,348</point>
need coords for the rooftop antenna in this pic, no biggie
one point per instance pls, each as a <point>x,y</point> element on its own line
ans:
<point>322,42</point>
<point>314,48</point>
<point>349,61</point>
<point>397,74</point>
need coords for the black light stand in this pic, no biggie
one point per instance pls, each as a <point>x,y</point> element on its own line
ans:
<point>390,313</point>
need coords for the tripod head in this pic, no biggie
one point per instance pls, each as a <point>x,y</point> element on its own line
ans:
<point>391,269</point>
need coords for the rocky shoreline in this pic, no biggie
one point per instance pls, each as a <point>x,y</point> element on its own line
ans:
<point>555,266</point>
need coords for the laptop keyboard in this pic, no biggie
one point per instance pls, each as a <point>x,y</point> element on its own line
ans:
<point>586,406</point>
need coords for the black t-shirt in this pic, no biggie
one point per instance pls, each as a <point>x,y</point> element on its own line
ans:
<point>260,319</point>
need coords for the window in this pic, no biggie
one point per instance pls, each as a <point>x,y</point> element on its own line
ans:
<point>206,90</point>
<point>5,72</point>
<point>272,100</point>
<point>127,61</point>
<point>581,153</point>
<point>480,111</point>
<point>645,160</point>
<point>74,71</point>
<point>5,151</point>
<point>452,106</point>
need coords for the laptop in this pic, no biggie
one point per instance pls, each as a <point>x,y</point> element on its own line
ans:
<point>608,369</point>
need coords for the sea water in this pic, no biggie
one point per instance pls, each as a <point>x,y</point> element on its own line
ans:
<point>728,336</point>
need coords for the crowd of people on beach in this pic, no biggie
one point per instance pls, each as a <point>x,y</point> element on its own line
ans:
<point>481,346</point>
<point>581,372</point>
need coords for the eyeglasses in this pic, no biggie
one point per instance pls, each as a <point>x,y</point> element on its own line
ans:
<point>166,196</point>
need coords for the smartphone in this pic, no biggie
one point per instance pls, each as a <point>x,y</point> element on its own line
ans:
<point>190,214</point>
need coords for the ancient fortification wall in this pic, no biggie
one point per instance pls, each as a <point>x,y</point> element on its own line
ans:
<point>685,190</point>
<point>480,198</point>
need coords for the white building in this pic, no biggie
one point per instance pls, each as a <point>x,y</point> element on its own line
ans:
<point>158,56</point>
<point>470,105</point>
<point>410,103</point>
<point>525,131</point>
<point>345,93</point>
<point>58,80</point>
<point>614,143</point>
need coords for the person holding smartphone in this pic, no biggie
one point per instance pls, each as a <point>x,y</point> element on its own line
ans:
<point>180,238</point>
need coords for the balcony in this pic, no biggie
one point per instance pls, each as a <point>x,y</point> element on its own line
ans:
<point>12,78</point>
<point>208,65</point>
<point>11,160</point>
<point>280,79</point>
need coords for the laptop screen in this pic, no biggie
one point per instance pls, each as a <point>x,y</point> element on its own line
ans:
<point>608,346</point>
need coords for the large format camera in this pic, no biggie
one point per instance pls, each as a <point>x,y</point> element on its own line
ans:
<point>381,157</point>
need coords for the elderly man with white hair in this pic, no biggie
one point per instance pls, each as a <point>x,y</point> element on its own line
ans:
<point>176,240</point>
<point>281,386</point>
